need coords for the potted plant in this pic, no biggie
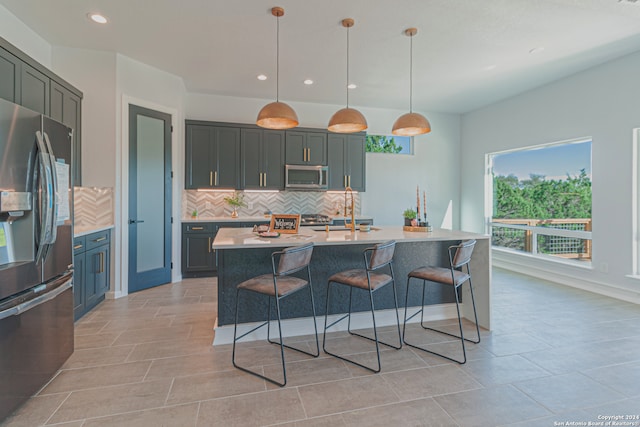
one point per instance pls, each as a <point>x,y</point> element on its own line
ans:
<point>194,214</point>
<point>409,215</point>
<point>235,201</point>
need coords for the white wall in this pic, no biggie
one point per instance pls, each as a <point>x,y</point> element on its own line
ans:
<point>601,103</point>
<point>391,179</point>
<point>24,38</point>
<point>94,73</point>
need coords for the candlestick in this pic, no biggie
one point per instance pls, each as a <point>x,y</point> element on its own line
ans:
<point>418,202</point>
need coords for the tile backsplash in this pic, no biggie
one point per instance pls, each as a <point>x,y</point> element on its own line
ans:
<point>210,203</point>
<point>93,206</point>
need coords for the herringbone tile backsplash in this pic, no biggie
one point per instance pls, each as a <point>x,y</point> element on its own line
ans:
<point>210,204</point>
<point>93,206</point>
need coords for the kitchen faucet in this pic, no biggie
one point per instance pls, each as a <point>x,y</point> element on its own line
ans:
<point>352,226</point>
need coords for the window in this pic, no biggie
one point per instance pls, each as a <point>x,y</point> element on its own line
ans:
<point>542,200</point>
<point>389,144</point>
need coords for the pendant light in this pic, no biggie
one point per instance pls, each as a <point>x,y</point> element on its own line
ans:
<point>277,115</point>
<point>411,124</point>
<point>347,120</point>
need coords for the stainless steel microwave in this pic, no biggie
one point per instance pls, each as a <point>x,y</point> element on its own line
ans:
<point>306,177</point>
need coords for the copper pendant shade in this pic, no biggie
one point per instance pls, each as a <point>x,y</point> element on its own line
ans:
<point>277,115</point>
<point>411,124</point>
<point>347,120</point>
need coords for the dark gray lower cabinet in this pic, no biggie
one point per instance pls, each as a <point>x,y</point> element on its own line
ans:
<point>198,258</point>
<point>91,278</point>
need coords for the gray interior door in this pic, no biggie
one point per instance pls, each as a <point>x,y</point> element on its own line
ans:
<point>149,198</point>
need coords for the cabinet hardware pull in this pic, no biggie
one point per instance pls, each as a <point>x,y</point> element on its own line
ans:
<point>197,228</point>
<point>100,239</point>
<point>349,180</point>
<point>308,154</point>
<point>101,257</point>
<point>215,178</point>
<point>77,247</point>
<point>265,179</point>
<point>344,181</point>
<point>209,244</point>
<point>210,178</point>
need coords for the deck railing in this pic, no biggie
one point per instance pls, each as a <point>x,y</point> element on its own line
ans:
<point>566,238</point>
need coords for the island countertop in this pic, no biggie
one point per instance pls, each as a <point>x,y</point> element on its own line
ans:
<point>243,238</point>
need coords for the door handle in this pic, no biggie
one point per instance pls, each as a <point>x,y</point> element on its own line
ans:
<point>135,221</point>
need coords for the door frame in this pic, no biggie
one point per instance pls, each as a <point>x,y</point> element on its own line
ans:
<point>148,278</point>
<point>120,268</point>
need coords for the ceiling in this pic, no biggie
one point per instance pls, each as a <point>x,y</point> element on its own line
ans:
<point>467,53</point>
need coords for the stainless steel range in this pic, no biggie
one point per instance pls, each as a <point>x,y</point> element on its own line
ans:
<point>315,219</point>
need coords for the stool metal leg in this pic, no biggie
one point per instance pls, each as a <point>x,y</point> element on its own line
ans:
<point>375,329</point>
<point>461,336</point>
<point>280,342</point>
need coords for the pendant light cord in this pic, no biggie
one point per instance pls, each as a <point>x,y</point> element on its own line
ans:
<point>347,67</point>
<point>411,75</point>
<point>278,59</point>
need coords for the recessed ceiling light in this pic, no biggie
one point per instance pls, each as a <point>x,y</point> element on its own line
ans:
<point>308,82</point>
<point>262,77</point>
<point>96,17</point>
<point>351,86</point>
<point>536,50</point>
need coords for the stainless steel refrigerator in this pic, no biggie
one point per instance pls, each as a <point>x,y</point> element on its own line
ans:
<point>36,256</point>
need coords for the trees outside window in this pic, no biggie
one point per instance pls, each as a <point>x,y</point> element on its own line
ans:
<point>542,200</point>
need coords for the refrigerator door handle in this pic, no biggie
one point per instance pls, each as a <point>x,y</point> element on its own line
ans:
<point>54,188</point>
<point>46,201</point>
<point>26,306</point>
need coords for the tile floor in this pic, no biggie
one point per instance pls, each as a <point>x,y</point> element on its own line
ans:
<point>556,355</point>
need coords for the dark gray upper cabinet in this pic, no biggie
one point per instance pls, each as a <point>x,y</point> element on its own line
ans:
<point>347,162</point>
<point>212,156</point>
<point>10,68</point>
<point>35,88</point>
<point>66,108</point>
<point>28,83</point>
<point>306,148</point>
<point>262,159</point>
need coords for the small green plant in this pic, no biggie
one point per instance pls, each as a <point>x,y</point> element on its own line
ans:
<point>237,200</point>
<point>409,213</point>
<point>194,213</point>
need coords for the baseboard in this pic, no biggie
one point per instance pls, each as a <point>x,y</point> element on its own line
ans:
<point>359,320</point>
<point>508,262</point>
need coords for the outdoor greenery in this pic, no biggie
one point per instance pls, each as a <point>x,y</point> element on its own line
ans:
<point>382,144</point>
<point>539,198</point>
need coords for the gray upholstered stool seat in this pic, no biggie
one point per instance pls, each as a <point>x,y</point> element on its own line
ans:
<point>440,275</point>
<point>264,285</point>
<point>277,286</point>
<point>367,279</point>
<point>459,257</point>
<point>358,278</point>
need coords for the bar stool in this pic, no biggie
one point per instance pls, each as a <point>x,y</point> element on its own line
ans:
<point>375,258</point>
<point>278,285</point>
<point>459,256</point>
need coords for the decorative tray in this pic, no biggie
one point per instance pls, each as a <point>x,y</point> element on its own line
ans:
<point>411,228</point>
<point>269,234</point>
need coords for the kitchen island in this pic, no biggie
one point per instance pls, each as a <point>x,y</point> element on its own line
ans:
<point>242,254</point>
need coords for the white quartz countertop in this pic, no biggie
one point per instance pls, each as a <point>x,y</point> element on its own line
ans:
<point>239,238</point>
<point>254,218</point>
<point>228,219</point>
<point>83,230</point>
